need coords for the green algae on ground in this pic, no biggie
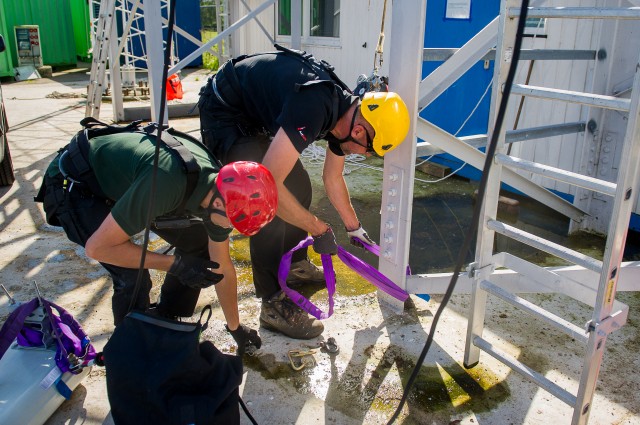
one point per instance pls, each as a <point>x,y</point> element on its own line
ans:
<point>355,389</point>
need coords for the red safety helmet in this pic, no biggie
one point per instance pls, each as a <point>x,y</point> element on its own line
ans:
<point>250,195</point>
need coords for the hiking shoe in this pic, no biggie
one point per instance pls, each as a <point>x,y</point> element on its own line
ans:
<point>280,314</point>
<point>304,271</point>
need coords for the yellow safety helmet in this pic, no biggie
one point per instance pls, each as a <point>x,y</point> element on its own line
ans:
<point>389,117</point>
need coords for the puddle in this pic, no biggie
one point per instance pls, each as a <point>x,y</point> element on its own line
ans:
<point>370,383</point>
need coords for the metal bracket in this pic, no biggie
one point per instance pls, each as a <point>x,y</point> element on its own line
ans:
<point>608,325</point>
<point>393,199</point>
<point>473,271</point>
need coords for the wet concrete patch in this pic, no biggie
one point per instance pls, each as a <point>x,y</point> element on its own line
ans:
<point>371,383</point>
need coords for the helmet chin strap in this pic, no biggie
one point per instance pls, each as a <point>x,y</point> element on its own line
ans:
<point>353,120</point>
<point>210,210</point>
<point>349,138</point>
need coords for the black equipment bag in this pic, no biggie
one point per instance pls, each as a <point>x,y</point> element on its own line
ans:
<point>158,372</point>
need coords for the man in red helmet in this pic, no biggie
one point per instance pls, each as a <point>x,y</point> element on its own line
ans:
<point>103,218</point>
<point>268,108</point>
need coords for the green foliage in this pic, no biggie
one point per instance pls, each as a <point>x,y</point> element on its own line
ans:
<point>208,18</point>
<point>209,61</point>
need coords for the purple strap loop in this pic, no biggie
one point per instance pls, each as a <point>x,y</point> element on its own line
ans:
<point>363,269</point>
<point>295,296</point>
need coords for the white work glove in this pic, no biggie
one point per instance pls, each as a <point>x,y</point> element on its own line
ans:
<point>358,236</point>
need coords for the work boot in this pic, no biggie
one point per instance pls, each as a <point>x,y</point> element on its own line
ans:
<point>280,314</point>
<point>304,271</point>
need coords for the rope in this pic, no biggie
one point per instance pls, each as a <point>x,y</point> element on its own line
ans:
<point>379,46</point>
<point>473,111</point>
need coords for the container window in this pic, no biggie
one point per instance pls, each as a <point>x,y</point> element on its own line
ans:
<point>320,18</point>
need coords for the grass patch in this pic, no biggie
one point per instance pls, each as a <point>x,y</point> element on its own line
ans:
<point>209,60</point>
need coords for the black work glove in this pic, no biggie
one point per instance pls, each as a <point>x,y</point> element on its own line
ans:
<point>245,337</point>
<point>325,243</point>
<point>358,236</point>
<point>194,271</point>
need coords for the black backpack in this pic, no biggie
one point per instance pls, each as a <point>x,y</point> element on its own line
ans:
<point>158,372</point>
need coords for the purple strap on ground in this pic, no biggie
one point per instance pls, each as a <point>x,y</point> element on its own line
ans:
<point>354,263</point>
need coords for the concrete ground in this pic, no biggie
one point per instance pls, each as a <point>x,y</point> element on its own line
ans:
<point>378,346</point>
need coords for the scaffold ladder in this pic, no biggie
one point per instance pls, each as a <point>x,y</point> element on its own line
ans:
<point>101,40</point>
<point>608,314</point>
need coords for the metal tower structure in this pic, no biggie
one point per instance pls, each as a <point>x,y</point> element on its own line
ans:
<point>131,32</point>
<point>590,281</point>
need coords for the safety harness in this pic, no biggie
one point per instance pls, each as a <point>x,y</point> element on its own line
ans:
<point>40,323</point>
<point>230,94</point>
<point>74,160</point>
<point>324,71</point>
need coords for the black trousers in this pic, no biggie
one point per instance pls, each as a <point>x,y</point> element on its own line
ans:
<point>226,134</point>
<point>80,214</point>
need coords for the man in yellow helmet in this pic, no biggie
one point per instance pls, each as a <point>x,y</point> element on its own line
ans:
<point>268,108</point>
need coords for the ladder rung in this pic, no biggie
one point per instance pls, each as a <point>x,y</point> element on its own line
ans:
<point>526,371</point>
<point>596,100</point>
<point>579,12</point>
<point>531,133</point>
<point>544,277</point>
<point>558,322</point>
<point>570,177</point>
<point>442,54</point>
<point>547,246</point>
<point>544,131</point>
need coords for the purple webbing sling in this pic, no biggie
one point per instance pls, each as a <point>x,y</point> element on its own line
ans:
<point>363,269</point>
<point>372,274</point>
<point>295,296</point>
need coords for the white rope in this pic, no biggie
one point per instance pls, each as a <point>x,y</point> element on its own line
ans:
<point>314,155</point>
<point>473,111</point>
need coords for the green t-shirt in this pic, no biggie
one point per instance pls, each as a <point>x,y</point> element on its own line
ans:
<point>123,165</point>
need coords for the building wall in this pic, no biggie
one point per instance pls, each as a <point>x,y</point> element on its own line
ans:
<point>352,54</point>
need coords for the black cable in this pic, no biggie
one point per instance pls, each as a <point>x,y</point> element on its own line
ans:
<point>152,199</point>
<point>246,411</point>
<point>491,149</point>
